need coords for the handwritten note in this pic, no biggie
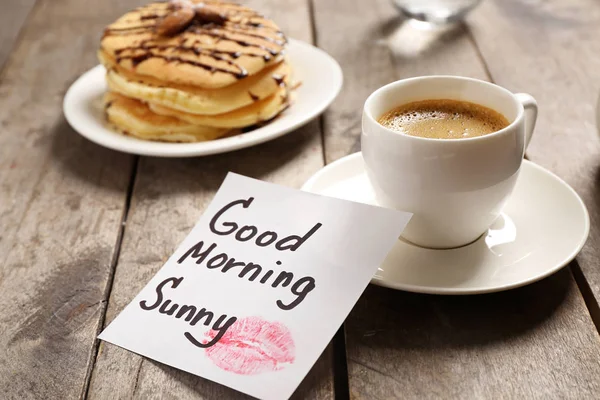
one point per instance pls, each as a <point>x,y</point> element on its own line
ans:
<point>257,290</point>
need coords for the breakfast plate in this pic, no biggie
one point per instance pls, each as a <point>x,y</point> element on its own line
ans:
<point>542,227</point>
<point>318,74</point>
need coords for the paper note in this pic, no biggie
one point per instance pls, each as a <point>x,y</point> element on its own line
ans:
<point>256,291</point>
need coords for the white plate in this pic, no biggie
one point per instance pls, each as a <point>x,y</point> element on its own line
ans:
<point>321,80</point>
<point>543,227</point>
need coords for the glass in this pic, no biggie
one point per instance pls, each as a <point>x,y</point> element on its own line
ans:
<point>436,11</point>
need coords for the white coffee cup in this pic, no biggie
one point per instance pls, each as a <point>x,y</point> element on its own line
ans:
<point>455,188</point>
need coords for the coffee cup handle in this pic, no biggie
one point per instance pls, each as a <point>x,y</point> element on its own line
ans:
<point>531,111</point>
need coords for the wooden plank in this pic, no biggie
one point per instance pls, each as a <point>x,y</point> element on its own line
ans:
<point>534,342</point>
<point>169,198</point>
<point>61,204</point>
<point>14,13</point>
<point>559,64</point>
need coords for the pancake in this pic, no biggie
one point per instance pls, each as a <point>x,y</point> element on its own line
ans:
<point>191,70</point>
<point>135,118</point>
<point>260,111</point>
<point>196,100</point>
<point>222,44</point>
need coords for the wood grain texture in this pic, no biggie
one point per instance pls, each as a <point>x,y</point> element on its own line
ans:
<point>169,198</point>
<point>559,64</point>
<point>533,342</point>
<point>61,204</point>
<point>14,14</point>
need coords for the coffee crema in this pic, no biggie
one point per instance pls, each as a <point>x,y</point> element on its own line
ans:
<point>443,119</point>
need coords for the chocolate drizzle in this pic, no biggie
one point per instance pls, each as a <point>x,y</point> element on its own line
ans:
<point>279,79</point>
<point>225,22</point>
<point>137,59</point>
<point>255,24</point>
<point>214,54</point>
<point>265,38</point>
<point>150,16</point>
<point>243,43</point>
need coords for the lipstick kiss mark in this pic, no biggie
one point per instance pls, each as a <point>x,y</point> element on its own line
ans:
<point>252,346</point>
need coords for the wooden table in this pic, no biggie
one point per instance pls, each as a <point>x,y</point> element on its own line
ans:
<point>83,228</point>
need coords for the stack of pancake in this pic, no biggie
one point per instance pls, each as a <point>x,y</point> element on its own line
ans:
<point>191,70</point>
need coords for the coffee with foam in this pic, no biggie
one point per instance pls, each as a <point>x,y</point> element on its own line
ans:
<point>443,119</point>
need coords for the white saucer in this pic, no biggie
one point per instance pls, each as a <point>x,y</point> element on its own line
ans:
<point>543,227</point>
<point>319,74</point>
